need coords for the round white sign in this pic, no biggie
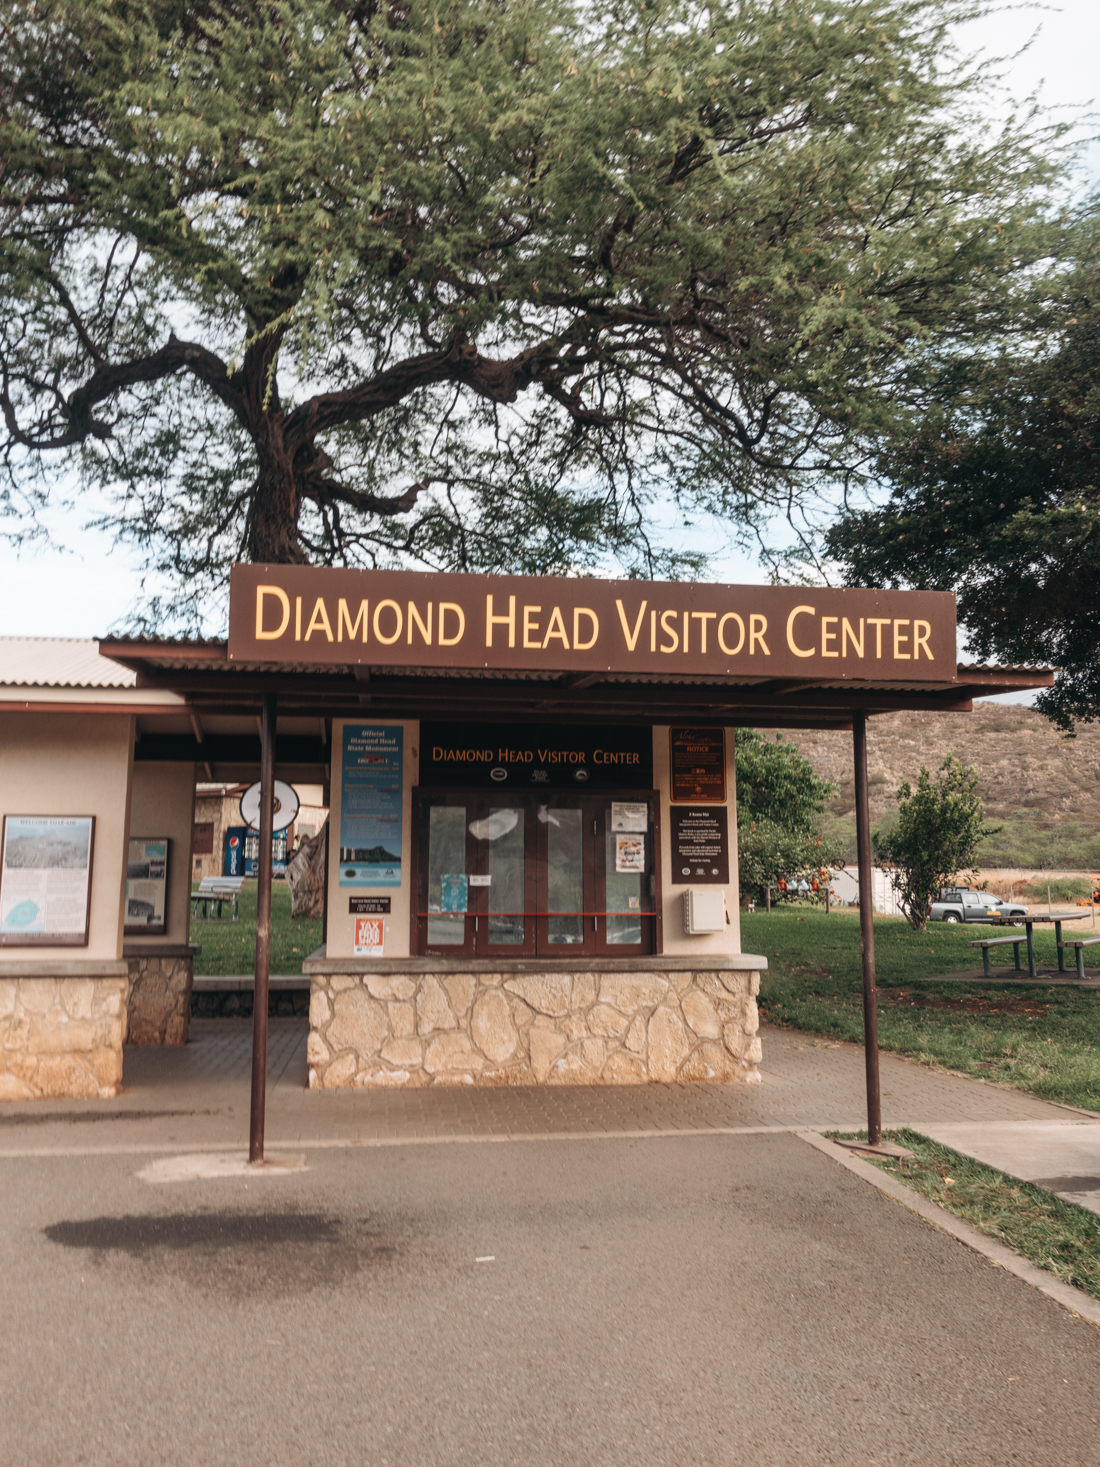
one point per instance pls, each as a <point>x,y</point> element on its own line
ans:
<point>286,805</point>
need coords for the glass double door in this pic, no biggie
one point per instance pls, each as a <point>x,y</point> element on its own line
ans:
<point>555,875</point>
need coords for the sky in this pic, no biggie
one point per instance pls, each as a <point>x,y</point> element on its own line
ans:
<point>82,584</point>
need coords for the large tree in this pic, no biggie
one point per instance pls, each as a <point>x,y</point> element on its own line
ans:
<point>470,281</point>
<point>998,496</point>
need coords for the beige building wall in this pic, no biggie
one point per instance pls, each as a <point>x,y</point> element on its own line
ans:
<point>74,764</point>
<point>396,923</point>
<point>163,804</point>
<point>676,940</point>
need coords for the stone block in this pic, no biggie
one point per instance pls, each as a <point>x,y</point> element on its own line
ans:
<point>584,990</point>
<point>320,1009</point>
<point>492,1027</point>
<point>701,1014</point>
<point>546,1045</point>
<point>402,1051</point>
<point>449,1052</point>
<point>571,1069</point>
<point>62,1039</point>
<point>750,1021</point>
<point>317,1051</point>
<point>12,1088</point>
<point>402,1019</point>
<point>710,1062</point>
<point>546,993</point>
<point>384,1079</point>
<point>668,1046</point>
<point>340,1073</point>
<point>8,992</point>
<point>358,1023</point>
<point>630,992</point>
<point>76,997</point>
<point>603,1019</point>
<point>461,988</point>
<point>39,995</point>
<point>574,1026</point>
<point>107,1065</point>
<point>624,1069</point>
<point>433,1012</point>
<point>386,986</point>
<point>340,983</point>
<point>635,1035</point>
<point>60,1076</point>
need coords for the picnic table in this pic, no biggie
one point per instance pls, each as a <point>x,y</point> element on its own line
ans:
<point>1029,921</point>
<point>216,890</point>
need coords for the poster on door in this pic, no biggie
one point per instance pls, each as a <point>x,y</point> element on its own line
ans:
<point>369,937</point>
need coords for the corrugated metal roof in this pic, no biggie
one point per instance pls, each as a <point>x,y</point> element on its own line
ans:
<point>59,662</point>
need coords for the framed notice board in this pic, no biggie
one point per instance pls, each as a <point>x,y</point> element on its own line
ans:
<point>146,886</point>
<point>700,845</point>
<point>697,760</point>
<point>46,880</point>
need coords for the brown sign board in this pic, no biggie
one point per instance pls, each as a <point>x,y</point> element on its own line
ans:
<point>371,906</point>
<point>697,757</point>
<point>305,614</point>
<point>700,845</point>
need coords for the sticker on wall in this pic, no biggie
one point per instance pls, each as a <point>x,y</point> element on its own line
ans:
<point>369,937</point>
<point>454,892</point>
<point>629,815</point>
<point>630,853</point>
<point>370,806</point>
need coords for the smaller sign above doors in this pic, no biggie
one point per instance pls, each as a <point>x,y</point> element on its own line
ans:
<point>527,756</point>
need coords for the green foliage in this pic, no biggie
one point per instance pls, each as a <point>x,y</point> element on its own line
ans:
<point>936,838</point>
<point>230,947</point>
<point>768,854</point>
<point>997,497</point>
<point>776,783</point>
<point>469,283</point>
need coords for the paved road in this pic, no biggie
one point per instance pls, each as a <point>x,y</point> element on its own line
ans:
<point>716,1299</point>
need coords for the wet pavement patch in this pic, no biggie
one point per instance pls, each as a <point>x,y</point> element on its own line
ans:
<point>93,1117</point>
<point>234,1252</point>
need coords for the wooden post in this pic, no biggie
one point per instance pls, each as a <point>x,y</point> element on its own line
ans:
<point>263,931</point>
<point>867,930</point>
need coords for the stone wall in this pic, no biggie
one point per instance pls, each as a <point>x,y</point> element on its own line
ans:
<point>61,1036</point>
<point>160,998</point>
<point>590,1028</point>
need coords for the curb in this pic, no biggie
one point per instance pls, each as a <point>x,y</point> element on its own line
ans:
<point>1073,1299</point>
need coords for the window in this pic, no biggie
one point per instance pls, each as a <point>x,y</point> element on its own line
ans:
<point>534,874</point>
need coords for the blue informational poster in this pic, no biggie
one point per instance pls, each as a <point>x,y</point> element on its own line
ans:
<point>370,805</point>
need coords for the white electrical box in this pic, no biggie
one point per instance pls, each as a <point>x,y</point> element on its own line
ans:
<point>704,910</point>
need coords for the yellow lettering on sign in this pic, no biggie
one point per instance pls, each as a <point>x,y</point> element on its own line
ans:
<point>731,651</point>
<point>878,622</point>
<point>444,608</point>
<point>791,643</point>
<point>556,622</point>
<point>758,625</point>
<point>319,621</point>
<point>828,636</point>
<point>529,626</point>
<point>262,592</point>
<point>378,610</point>
<point>343,619</point>
<point>425,631</point>
<point>578,612</point>
<point>491,621</point>
<point>704,617</point>
<point>922,630</point>
<point>899,637</point>
<point>669,632</point>
<point>847,631</point>
<point>631,637</point>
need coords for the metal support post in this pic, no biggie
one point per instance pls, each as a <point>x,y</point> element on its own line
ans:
<point>867,930</point>
<point>263,931</point>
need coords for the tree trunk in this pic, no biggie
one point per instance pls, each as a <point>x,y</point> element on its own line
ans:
<point>272,534</point>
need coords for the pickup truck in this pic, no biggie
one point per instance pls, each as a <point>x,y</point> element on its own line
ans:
<point>964,904</point>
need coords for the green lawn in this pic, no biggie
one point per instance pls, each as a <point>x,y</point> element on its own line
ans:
<point>230,947</point>
<point>1056,1235</point>
<point>1042,1039</point>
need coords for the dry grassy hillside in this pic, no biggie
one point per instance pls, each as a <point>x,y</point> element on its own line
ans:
<point>1033,778</point>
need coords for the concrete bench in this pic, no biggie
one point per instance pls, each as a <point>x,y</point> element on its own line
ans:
<point>1079,944</point>
<point>985,943</point>
<point>216,890</point>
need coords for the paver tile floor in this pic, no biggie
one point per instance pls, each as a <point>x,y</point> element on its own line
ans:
<point>198,1096</point>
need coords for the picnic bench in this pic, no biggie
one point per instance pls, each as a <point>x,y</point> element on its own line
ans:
<point>1078,944</point>
<point>214,891</point>
<point>985,943</point>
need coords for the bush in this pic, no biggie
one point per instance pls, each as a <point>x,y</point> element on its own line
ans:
<point>767,854</point>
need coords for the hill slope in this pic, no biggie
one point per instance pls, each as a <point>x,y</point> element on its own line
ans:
<point>1043,786</point>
